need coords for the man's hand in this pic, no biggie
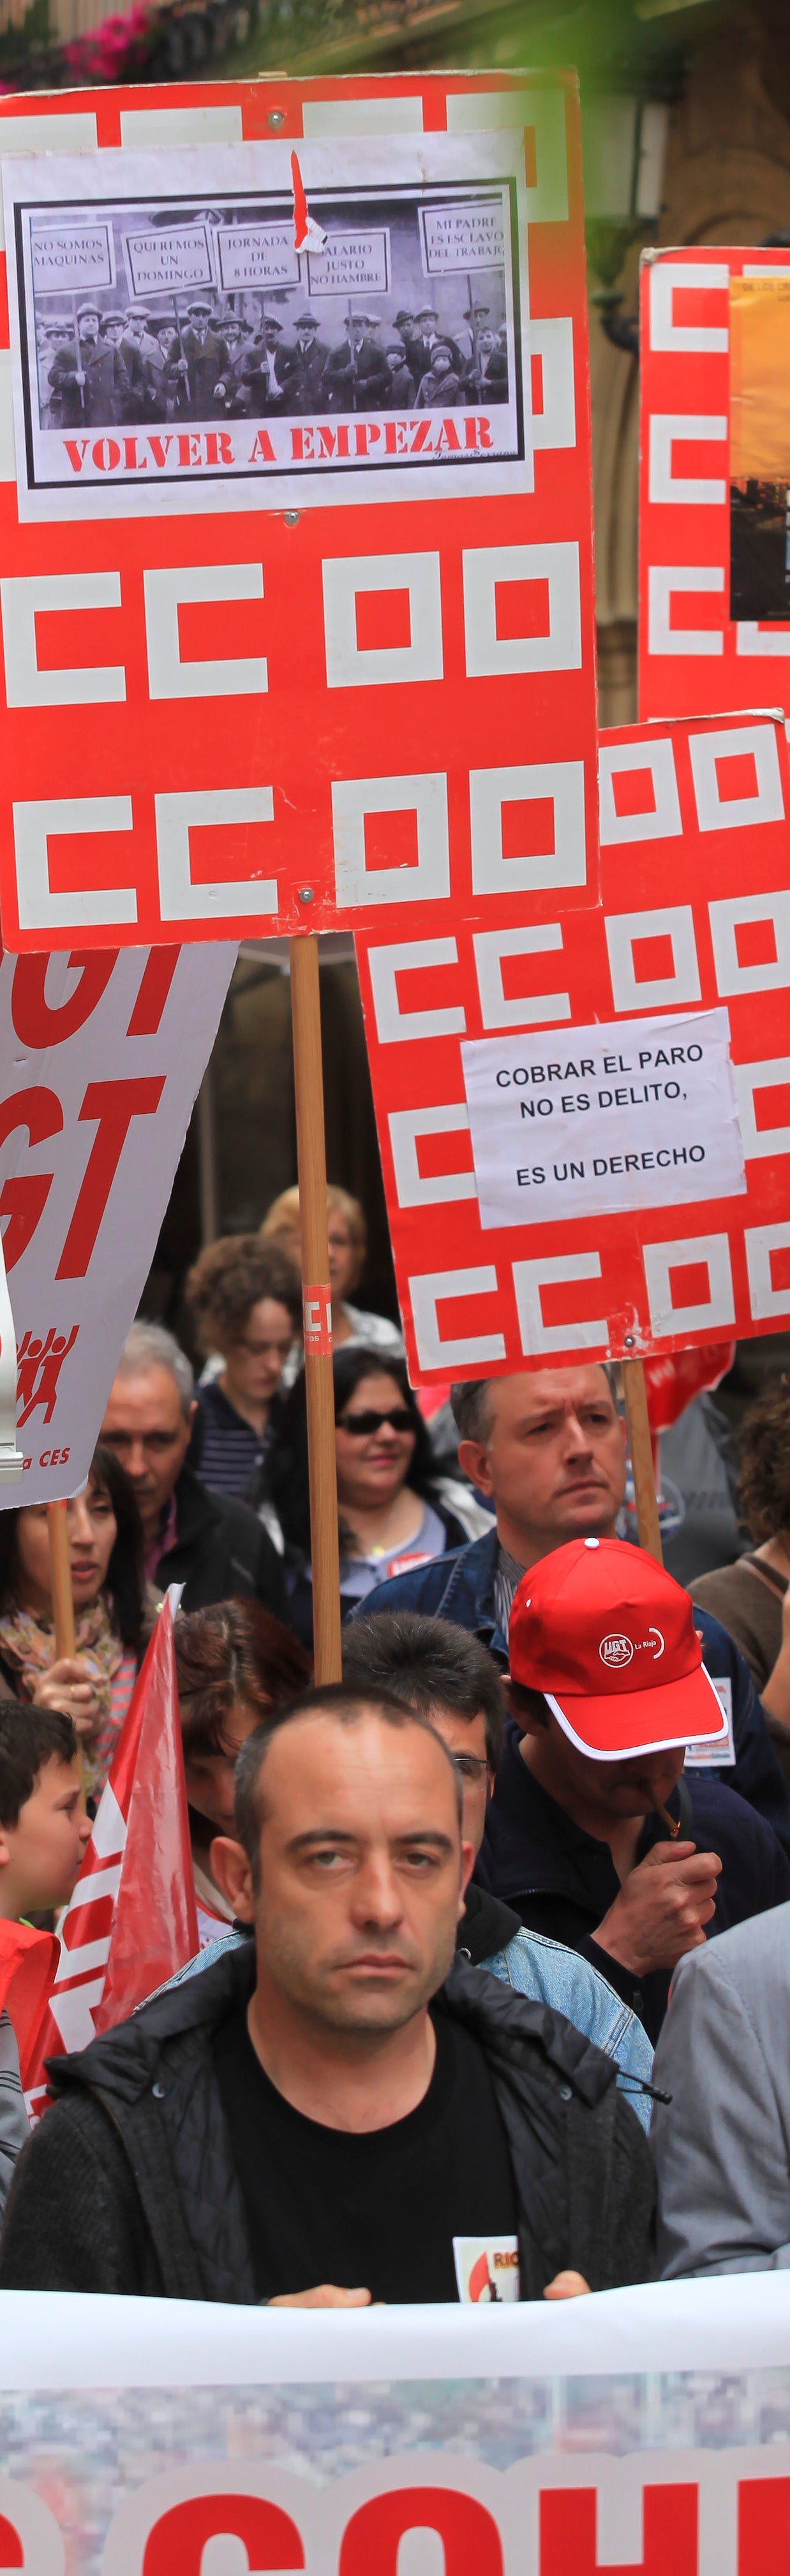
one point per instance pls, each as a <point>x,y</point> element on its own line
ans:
<point>661,1909</point>
<point>327,2297</point>
<point>79,375</point>
<point>567,2285</point>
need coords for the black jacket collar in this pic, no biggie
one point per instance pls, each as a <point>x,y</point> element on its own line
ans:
<point>486,1925</point>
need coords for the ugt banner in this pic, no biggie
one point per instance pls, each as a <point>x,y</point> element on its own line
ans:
<point>644,2430</point>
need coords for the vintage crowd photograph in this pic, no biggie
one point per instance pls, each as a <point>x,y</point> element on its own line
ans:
<point>179,314</point>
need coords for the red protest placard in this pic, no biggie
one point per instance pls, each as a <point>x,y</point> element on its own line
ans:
<point>294,635</point>
<point>624,1074</point>
<point>101,1056</point>
<point>714,582</point>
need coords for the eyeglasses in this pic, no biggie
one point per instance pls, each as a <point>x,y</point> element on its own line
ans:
<point>363,1426</point>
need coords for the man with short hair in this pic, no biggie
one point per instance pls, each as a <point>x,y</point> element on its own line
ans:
<point>327,2116</point>
<point>426,334</point>
<point>88,384</point>
<point>547,1450</point>
<point>485,378</point>
<point>212,1544</point>
<point>43,1833</point>
<point>595,1835</point>
<point>266,371</point>
<point>453,1681</point>
<point>356,376</point>
<point>306,388</point>
<point>203,364</point>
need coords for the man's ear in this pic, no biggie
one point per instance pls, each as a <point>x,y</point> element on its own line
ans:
<point>467,1866</point>
<point>527,1707</point>
<point>474,1463</point>
<point>231,1871</point>
<point>5,1848</point>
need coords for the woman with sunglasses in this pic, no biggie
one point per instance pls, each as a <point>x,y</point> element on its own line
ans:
<point>394,1510</point>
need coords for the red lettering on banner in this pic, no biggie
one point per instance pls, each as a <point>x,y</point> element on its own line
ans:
<point>160,449</point>
<point>114,1104</point>
<point>130,456</point>
<point>763,2526</point>
<point>24,1196</point>
<point>76,451</point>
<point>469,2536</point>
<point>189,447</point>
<point>448,435</point>
<point>40,1023</point>
<point>219,447</point>
<point>106,454</point>
<point>155,982</point>
<point>569,2532</point>
<point>11,2551</point>
<point>317,1315</point>
<point>178,2540</point>
<point>262,451</point>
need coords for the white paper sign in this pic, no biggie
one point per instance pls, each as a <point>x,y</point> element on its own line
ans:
<point>456,239</point>
<point>352,264</point>
<point>256,255</point>
<point>100,1062</point>
<point>629,1114</point>
<point>71,257</point>
<point>168,263</point>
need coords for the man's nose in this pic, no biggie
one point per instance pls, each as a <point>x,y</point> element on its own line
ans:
<point>576,1438</point>
<point>376,1895</point>
<point>135,1461</point>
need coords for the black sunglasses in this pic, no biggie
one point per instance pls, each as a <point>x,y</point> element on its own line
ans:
<point>363,1425</point>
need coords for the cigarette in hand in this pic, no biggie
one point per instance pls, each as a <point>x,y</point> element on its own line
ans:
<point>664,1814</point>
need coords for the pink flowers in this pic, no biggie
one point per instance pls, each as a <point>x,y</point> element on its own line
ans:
<point>116,51</point>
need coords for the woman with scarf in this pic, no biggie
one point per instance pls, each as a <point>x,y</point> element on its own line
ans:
<point>114,1611</point>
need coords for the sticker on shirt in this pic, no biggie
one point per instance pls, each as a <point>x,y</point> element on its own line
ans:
<point>406,1564</point>
<point>703,1756</point>
<point>486,2269</point>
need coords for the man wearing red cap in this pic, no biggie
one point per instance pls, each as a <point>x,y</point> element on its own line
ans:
<point>593,1835</point>
<point>547,1450</point>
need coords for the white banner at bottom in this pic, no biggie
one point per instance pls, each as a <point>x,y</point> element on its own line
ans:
<point>645,2430</point>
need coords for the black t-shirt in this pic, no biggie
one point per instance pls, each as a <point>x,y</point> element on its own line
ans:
<point>377,2210</point>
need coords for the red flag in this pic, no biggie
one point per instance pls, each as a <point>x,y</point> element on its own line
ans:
<point>674,1377</point>
<point>307,234</point>
<point>131,1921</point>
<point>28,1961</point>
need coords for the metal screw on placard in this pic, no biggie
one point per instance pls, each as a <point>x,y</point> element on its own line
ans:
<point>628,1341</point>
<point>306,894</point>
<point>291,518</point>
<point>276,116</point>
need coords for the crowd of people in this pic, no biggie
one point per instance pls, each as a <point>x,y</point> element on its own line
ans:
<point>108,367</point>
<point>495,1931</point>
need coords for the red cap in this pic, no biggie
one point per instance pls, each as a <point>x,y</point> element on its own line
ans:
<point>609,1638</point>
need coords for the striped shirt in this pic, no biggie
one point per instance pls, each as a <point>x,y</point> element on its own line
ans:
<point>232,1451</point>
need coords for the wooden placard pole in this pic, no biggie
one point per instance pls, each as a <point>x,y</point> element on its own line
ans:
<point>62,1594</point>
<point>641,1449</point>
<point>60,1573</point>
<point>311,1157</point>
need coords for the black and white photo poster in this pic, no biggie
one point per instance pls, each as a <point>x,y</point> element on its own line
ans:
<point>169,336</point>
